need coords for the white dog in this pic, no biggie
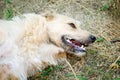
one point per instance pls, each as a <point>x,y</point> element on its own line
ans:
<point>30,42</point>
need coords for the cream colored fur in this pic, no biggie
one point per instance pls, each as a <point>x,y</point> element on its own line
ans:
<point>30,42</point>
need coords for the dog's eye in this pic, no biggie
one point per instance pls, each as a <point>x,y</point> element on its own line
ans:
<point>72,25</point>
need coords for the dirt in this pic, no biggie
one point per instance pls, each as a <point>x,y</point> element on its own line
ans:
<point>96,65</point>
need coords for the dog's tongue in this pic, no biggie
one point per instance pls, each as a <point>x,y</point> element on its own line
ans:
<point>77,43</point>
<point>78,46</point>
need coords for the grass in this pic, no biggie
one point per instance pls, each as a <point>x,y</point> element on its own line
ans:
<point>100,56</point>
<point>8,14</point>
<point>105,7</point>
<point>100,39</point>
<point>45,73</point>
<point>78,76</point>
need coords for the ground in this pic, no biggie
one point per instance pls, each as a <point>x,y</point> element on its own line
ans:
<point>97,16</point>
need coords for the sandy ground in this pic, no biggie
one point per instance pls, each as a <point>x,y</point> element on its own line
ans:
<point>100,56</point>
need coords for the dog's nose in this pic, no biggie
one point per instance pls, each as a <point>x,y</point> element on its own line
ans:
<point>92,38</point>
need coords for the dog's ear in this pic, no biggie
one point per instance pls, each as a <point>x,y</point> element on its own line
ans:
<point>50,15</point>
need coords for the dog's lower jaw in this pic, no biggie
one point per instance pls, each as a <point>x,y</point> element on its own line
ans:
<point>80,54</point>
<point>70,50</point>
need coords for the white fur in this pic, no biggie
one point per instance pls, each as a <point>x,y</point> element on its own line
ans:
<point>25,45</point>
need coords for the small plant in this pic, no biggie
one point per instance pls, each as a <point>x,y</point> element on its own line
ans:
<point>100,39</point>
<point>8,1</point>
<point>105,7</point>
<point>116,79</point>
<point>81,77</point>
<point>59,67</point>
<point>44,74</point>
<point>118,62</point>
<point>47,71</point>
<point>90,51</point>
<point>8,14</point>
<point>78,76</point>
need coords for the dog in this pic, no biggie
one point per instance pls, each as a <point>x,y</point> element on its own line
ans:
<point>30,42</point>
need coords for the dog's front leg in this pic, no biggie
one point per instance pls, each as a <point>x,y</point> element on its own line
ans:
<point>51,53</point>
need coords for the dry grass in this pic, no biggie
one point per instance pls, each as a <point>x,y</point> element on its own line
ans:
<point>94,16</point>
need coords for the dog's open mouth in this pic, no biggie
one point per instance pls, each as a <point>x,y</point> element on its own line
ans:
<point>75,45</point>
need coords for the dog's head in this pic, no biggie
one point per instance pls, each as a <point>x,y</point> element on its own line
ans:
<point>65,32</point>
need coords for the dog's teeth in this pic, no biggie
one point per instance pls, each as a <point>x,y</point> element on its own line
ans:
<point>68,40</point>
<point>82,46</point>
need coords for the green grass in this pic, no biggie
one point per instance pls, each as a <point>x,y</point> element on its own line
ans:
<point>59,67</point>
<point>8,14</point>
<point>118,62</point>
<point>100,39</point>
<point>8,1</point>
<point>78,76</point>
<point>45,73</point>
<point>116,79</point>
<point>105,7</point>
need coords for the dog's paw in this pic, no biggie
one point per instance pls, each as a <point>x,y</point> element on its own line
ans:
<point>60,53</point>
<point>58,50</point>
<point>79,54</point>
<point>51,50</point>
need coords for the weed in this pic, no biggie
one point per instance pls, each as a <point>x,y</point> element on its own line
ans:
<point>91,51</point>
<point>45,73</point>
<point>59,67</point>
<point>118,62</point>
<point>116,78</point>
<point>8,1</point>
<point>105,7</point>
<point>100,39</point>
<point>8,14</point>
<point>78,76</point>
